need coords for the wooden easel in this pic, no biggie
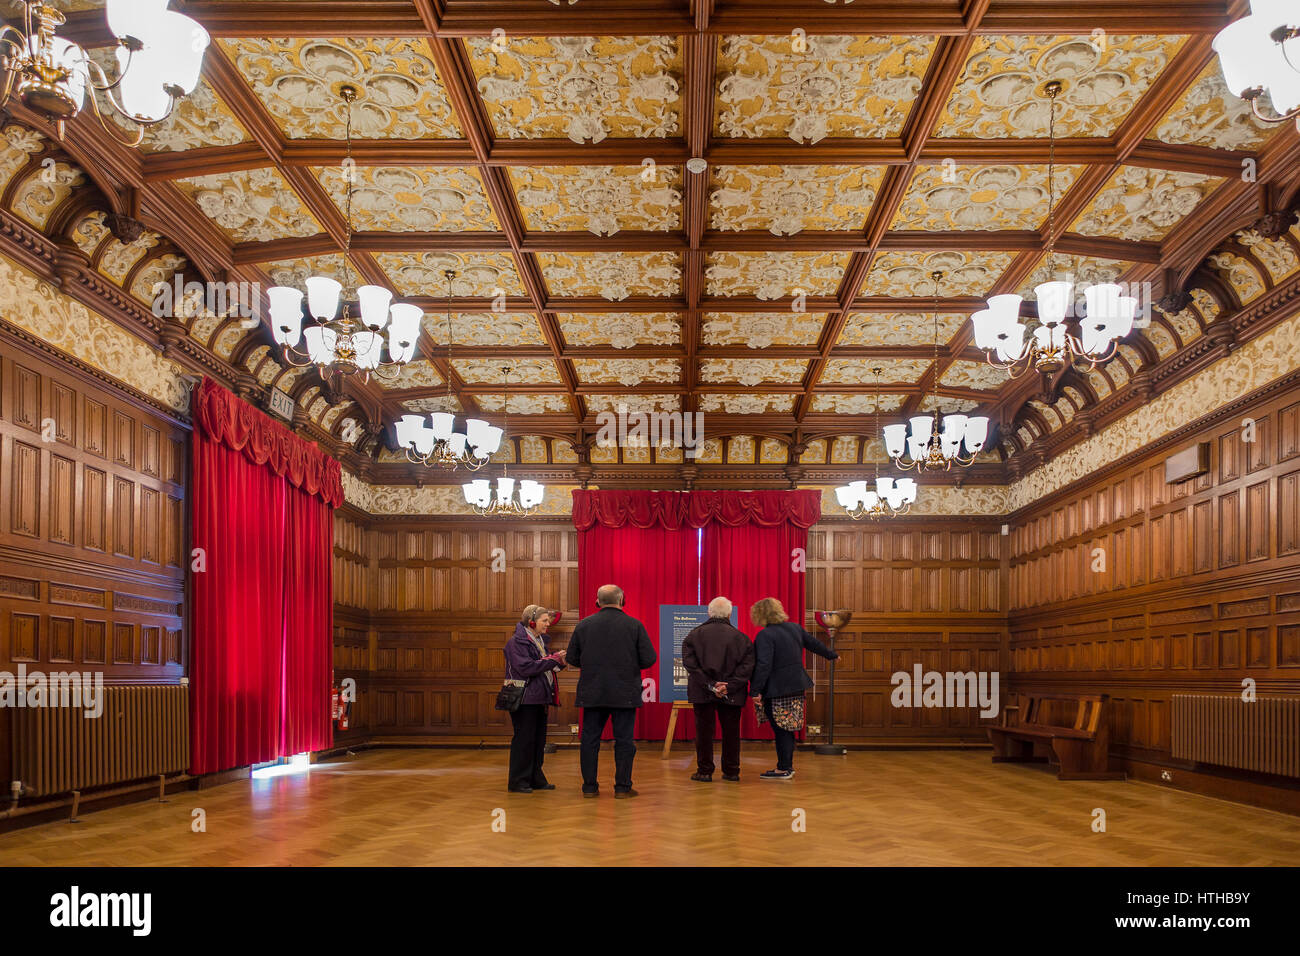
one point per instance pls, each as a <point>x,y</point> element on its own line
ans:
<point>672,726</point>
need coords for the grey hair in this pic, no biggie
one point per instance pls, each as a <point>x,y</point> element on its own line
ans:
<point>609,595</point>
<point>532,613</point>
<point>720,607</point>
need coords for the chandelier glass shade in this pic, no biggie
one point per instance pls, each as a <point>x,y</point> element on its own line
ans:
<point>1261,54</point>
<point>159,58</point>
<point>344,345</point>
<point>437,442</point>
<point>509,498</point>
<point>889,498</point>
<point>1011,344</point>
<point>934,442</point>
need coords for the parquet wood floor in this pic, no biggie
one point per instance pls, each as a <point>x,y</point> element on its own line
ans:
<point>413,807</point>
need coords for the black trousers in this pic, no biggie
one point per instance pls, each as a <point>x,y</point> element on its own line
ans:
<point>729,716</point>
<point>593,725</point>
<point>784,740</point>
<point>528,746</point>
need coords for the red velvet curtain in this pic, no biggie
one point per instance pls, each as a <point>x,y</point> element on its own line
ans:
<point>263,503</point>
<point>747,563</point>
<point>653,566</point>
<point>650,544</point>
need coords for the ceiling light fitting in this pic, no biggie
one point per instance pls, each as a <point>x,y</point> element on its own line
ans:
<point>342,347</point>
<point>1011,345</point>
<point>438,442</point>
<point>931,442</point>
<point>1261,54</point>
<point>159,58</point>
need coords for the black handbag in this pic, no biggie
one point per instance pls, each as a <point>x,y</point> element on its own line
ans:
<point>511,694</point>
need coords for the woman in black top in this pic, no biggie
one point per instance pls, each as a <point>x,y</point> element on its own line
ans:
<point>779,679</point>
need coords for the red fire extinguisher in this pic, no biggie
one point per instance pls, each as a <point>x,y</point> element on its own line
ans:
<point>339,709</point>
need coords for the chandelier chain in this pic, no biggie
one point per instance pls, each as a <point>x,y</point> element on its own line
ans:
<point>1053,90</point>
<point>350,174</point>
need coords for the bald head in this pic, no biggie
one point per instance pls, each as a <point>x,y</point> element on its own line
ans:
<point>609,595</point>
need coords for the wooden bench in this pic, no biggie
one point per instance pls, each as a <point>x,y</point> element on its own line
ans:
<point>1072,726</point>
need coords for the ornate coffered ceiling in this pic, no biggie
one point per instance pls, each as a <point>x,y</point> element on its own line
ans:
<point>540,152</point>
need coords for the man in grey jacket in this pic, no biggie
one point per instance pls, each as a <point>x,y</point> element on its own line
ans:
<point>611,648</point>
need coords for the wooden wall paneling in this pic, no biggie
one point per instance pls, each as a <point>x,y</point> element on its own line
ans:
<point>1202,587</point>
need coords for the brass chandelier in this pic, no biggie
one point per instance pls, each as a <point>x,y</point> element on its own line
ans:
<point>509,499</point>
<point>933,442</point>
<point>342,347</point>
<point>438,442</point>
<point>159,57</point>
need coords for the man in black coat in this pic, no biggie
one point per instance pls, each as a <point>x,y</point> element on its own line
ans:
<point>611,648</point>
<point>719,659</point>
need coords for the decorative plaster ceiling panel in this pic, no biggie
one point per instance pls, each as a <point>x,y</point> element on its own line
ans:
<point>532,371</point>
<point>752,372</point>
<point>947,405</point>
<point>898,328</point>
<point>545,403</point>
<point>1081,270</point>
<point>908,273</point>
<point>611,275</point>
<point>411,198</point>
<point>760,330</point>
<point>627,372</point>
<point>599,199</point>
<point>580,88</point>
<point>41,191</point>
<point>418,373</point>
<point>16,148</point>
<point>1207,114</point>
<point>632,403</point>
<point>478,274</point>
<point>1277,255</point>
<point>998,95</point>
<point>295,272</point>
<point>621,330</point>
<point>298,80</point>
<point>979,375</point>
<point>774,275</point>
<point>811,87</point>
<point>1138,203</point>
<point>483,328</point>
<point>434,403</point>
<point>117,258</point>
<point>747,403</point>
<point>960,198</point>
<point>251,205</point>
<point>860,371</point>
<point>856,403</point>
<point>788,199</point>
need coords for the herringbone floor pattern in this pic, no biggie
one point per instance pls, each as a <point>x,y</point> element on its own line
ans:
<point>413,807</point>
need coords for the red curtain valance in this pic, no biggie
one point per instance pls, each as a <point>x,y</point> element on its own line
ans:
<point>228,420</point>
<point>615,508</point>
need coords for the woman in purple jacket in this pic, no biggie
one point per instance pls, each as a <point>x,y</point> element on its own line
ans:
<point>528,663</point>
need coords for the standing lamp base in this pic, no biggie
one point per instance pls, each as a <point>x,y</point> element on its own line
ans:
<point>831,750</point>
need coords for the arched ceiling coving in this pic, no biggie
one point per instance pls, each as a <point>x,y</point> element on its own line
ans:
<point>851,152</point>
